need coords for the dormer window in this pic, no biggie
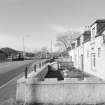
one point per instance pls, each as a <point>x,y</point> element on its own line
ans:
<point>97,28</point>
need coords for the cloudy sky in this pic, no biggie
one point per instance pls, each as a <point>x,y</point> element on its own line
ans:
<point>40,21</point>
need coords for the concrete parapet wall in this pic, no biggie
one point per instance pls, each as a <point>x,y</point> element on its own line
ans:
<point>65,92</point>
<point>23,88</point>
<point>68,93</point>
<point>41,73</point>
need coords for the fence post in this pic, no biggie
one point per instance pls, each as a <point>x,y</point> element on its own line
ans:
<point>35,67</point>
<point>39,65</point>
<point>26,70</point>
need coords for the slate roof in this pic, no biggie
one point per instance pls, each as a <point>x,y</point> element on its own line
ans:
<point>88,32</point>
<point>99,21</point>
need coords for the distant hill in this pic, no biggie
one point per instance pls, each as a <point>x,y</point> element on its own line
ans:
<point>9,51</point>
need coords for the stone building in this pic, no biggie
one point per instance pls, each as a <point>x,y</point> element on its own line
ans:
<point>88,52</point>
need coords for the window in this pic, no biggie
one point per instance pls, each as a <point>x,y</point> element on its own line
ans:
<point>99,51</point>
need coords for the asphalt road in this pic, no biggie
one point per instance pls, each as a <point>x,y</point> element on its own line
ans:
<point>12,69</point>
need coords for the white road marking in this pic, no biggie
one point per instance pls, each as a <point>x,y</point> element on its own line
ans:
<point>10,81</point>
<point>22,75</point>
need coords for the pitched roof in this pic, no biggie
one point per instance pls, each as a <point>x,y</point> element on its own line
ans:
<point>99,21</point>
<point>3,52</point>
<point>88,32</point>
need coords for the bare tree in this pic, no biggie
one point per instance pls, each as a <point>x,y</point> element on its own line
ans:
<point>65,40</point>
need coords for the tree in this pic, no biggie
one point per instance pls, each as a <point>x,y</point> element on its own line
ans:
<point>64,40</point>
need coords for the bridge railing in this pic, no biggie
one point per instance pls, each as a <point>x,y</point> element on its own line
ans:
<point>36,66</point>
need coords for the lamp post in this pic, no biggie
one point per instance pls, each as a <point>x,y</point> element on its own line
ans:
<point>51,50</point>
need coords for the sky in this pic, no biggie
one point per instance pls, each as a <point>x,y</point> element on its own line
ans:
<point>40,21</point>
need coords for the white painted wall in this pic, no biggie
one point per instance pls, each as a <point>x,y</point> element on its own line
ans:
<point>87,49</point>
<point>100,59</point>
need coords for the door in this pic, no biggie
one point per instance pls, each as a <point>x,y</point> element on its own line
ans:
<point>82,63</point>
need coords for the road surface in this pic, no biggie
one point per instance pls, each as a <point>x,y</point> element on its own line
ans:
<point>10,70</point>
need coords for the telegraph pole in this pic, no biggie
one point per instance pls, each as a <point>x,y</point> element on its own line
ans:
<point>51,49</point>
<point>51,46</point>
<point>23,47</point>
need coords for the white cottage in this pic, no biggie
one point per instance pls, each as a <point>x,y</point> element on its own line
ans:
<point>89,54</point>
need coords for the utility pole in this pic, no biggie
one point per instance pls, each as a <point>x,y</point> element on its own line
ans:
<point>51,46</point>
<point>51,49</point>
<point>23,41</point>
<point>23,47</point>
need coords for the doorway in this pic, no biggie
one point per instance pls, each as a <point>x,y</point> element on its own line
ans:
<point>82,63</point>
<point>93,61</point>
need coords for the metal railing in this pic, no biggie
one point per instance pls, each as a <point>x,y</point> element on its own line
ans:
<point>35,67</point>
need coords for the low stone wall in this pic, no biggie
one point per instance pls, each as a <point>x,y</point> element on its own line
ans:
<point>41,73</point>
<point>24,83</point>
<point>67,91</point>
<point>64,92</point>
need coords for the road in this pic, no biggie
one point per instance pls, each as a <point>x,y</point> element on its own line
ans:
<point>10,70</point>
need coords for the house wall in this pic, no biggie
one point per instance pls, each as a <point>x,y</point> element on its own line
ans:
<point>87,57</point>
<point>93,53</point>
<point>100,64</point>
<point>76,57</point>
<point>71,54</point>
<point>96,43</point>
<point>99,69</point>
